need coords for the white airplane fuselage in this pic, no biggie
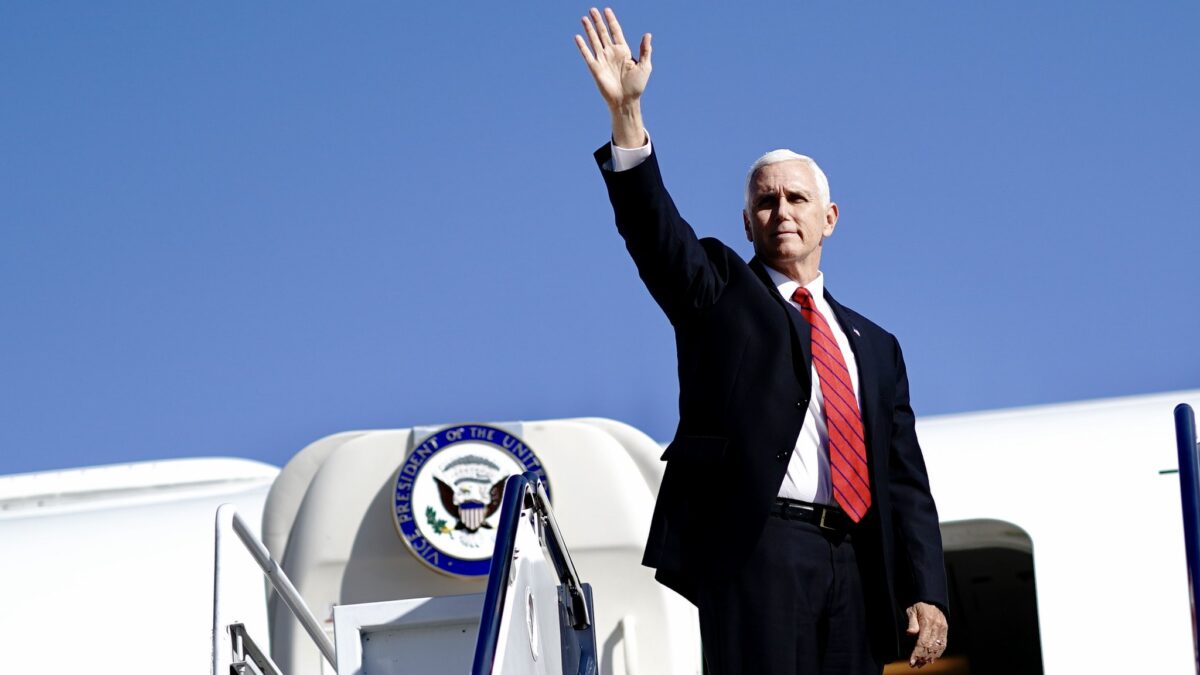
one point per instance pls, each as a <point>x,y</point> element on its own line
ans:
<point>1068,513</point>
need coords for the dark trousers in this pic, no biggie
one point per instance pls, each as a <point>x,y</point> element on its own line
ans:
<point>795,608</point>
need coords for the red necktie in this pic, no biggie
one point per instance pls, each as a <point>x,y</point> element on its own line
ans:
<point>847,450</point>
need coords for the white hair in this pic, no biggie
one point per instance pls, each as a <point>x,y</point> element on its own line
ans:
<point>785,155</point>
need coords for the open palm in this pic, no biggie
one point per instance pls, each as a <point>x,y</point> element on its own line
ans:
<point>620,79</point>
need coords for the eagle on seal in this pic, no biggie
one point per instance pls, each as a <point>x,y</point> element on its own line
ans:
<point>466,503</point>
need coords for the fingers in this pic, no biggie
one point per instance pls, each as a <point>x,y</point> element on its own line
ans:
<point>584,51</point>
<point>644,55</point>
<point>926,635</point>
<point>923,655</point>
<point>614,26</point>
<point>940,637</point>
<point>926,651</point>
<point>601,27</point>
<point>593,38</point>
<point>913,625</point>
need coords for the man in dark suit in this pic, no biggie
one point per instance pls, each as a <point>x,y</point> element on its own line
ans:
<point>795,509</point>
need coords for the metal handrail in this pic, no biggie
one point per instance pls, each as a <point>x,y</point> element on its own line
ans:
<point>274,574</point>
<point>562,559</point>
<point>245,647</point>
<point>523,491</point>
<point>1189,488</point>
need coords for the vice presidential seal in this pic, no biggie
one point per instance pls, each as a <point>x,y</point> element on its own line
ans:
<point>448,491</point>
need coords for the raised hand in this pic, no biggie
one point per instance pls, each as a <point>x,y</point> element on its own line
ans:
<point>620,79</point>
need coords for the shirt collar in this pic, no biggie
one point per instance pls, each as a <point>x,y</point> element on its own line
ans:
<point>786,286</point>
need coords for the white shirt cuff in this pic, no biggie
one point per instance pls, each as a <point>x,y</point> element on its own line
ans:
<point>624,159</point>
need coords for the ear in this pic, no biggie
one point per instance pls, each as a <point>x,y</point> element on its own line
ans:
<point>831,218</point>
<point>746,224</point>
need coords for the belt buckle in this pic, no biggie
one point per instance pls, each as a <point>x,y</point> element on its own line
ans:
<point>821,524</point>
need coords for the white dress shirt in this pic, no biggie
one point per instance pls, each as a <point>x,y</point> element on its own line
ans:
<point>807,477</point>
<point>624,159</point>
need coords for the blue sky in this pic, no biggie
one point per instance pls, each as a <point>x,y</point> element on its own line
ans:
<point>233,228</point>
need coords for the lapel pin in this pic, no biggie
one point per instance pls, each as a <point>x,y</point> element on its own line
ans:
<point>856,331</point>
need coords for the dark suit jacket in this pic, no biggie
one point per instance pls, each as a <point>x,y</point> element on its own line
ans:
<point>744,386</point>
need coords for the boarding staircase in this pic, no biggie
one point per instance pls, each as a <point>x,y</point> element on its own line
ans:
<point>535,617</point>
<point>345,595</point>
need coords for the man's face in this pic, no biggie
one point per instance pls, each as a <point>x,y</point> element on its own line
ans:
<point>786,219</point>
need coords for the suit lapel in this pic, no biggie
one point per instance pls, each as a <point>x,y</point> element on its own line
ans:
<point>864,356</point>
<point>800,330</point>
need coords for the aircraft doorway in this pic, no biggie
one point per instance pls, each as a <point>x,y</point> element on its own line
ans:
<point>993,602</point>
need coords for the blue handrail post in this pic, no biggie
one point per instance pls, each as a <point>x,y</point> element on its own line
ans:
<point>1189,486</point>
<point>516,489</point>
<point>578,643</point>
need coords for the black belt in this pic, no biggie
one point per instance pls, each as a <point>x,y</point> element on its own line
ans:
<point>823,516</point>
